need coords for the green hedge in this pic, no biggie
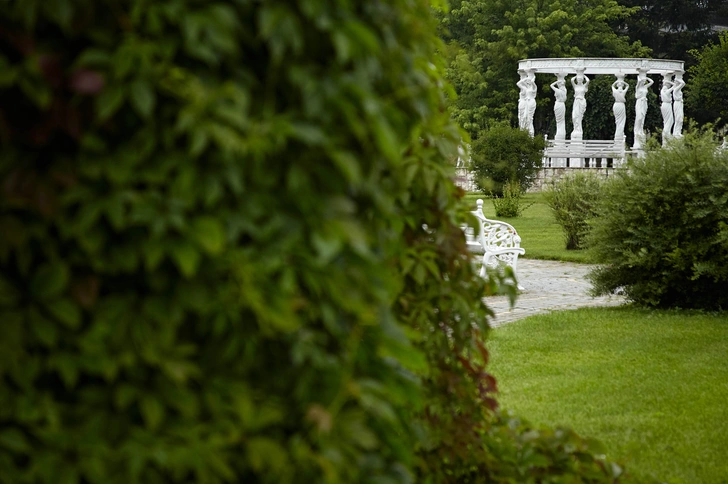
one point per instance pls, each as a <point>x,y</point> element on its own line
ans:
<point>231,249</point>
<point>213,259</point>
<point>662,232</point>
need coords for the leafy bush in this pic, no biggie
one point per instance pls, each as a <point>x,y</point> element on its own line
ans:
<point>502,154</point>
<point>574,199</point>
<point>662,231</point>
<point>212,261</point>
<point>537,454</point>
<point>213,266</point>
<point>510,204</point>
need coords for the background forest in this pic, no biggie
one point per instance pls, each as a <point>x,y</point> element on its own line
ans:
<point>486,38</point>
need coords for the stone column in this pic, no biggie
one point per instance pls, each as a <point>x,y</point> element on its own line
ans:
<point>668,118</point>
<point>640,108</point>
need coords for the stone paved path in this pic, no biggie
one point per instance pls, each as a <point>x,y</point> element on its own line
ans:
<point>548,286</point>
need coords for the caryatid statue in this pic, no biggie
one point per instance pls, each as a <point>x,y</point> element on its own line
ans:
<point>529,90</point>
<point>559,88</point>
<point>640,107</point>
<point>522,95</point>
<point>580,82</point>
<point>677,104</point>
<point>666,107</point>
<point>619,91</point>
<point>527,100</point>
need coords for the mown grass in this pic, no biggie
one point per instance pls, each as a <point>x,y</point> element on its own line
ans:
<point>540,235</point>
<point>652,385</point>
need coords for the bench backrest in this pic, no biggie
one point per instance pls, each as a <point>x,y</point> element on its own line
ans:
<point>495,234</point>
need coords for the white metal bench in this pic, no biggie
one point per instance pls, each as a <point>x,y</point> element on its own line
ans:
<point>498,241</point>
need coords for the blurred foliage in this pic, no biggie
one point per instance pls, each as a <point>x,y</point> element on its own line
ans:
<point>231,250</point>
<point>214,267</point>
<point>662,230</point>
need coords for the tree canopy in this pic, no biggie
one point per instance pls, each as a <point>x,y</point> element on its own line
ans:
<point>706,95</point>
<point>486,38</point>
<point>671,27</point>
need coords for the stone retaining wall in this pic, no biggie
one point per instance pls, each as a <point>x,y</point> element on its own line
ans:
<point>547,175</point>
<point>464,178</point>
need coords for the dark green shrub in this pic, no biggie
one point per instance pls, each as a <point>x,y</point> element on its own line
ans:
<point>212,261</point>
<point>662,232</point>
<point>510,203</point>
<point>574,200</point>
<point>537,454</point>
<point>213,266</point>
<point>502,154</point>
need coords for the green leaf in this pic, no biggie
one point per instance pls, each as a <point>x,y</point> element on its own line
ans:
<point>66,311</point>
<point>9,294</point>
<point>68,369</point>
<point>93,57</point>
<point>154,252</point>
<point>142,97</point>
<point>209,233</point>
<point>8,74</point>
<point>14,440</point>
<point>49,280</point>
<point>124,395</point>
<point>45,330</point>
<point>110,100</point>
<point>187,258</point>
<point>152,412</point>
<point>265,453</point>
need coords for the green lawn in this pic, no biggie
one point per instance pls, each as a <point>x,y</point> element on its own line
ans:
<point>652,385</point>
<point>540,235</point>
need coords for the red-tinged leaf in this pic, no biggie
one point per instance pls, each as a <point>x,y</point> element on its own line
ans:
<point>483,351</point>
<point>85,81</point>
<point>51,68</point>
<point>85,290</point>
<point>467,365</point>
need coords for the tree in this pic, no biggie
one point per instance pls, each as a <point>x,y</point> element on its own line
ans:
<point>488,37</point>
<point>706,95</point>
<point>671,28</point>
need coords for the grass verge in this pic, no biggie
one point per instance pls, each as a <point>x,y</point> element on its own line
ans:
<point>540,235</point>
<point>652,385</point>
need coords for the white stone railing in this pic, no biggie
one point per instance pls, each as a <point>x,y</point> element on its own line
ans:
<point>465,179</point>
<point>584,153</point>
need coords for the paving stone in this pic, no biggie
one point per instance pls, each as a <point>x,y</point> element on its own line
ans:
<point>548,286</point>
